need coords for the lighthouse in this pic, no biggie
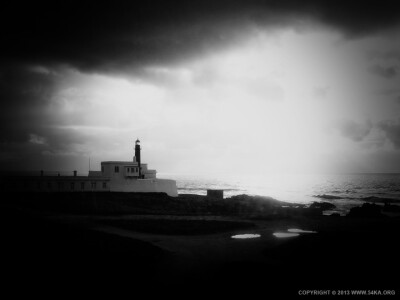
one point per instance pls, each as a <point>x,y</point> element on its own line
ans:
<point>114,176</point>
<point>137,156</point>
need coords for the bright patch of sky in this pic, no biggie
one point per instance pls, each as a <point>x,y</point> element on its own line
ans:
<point>279,101</point>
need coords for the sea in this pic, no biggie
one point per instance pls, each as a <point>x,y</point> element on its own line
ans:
<point>343,190</point>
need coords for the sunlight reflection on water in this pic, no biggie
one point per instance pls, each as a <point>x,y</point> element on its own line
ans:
<point>343,190</point>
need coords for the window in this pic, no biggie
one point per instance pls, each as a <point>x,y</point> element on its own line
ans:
<point>82,185</point>
<point>116,169</point>
<point>93,185</point>
<point>72,184</point>
<point>104,185</point>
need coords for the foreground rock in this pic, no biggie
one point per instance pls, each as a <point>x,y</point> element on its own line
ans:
<point>155,204</point>
<point>323,205</point>
<point>367,210</point>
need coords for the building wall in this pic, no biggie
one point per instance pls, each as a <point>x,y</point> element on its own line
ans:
<point>115,176</point>
<point>145,186</point>
<point>56,184</point>
<point>119,170</point>
<point>124,177</point>
<point>88,184</point>
<point>150,174</point>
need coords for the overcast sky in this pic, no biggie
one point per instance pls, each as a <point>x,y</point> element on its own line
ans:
<point>207,86</point>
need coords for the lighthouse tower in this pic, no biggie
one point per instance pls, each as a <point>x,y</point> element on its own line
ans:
<point>115,176</point>
<point>137,156</point>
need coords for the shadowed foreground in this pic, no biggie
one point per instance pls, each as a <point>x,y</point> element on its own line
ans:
<point>50,249</point>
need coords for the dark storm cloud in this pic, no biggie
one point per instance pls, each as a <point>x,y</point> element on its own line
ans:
<point>355,131</point>
<point>26,124</point>
<point>23,93</point>
<point>386,72</point>
<point>19,94</point>
<point>99,36</point>
<point>392,131</point>
<point>117,37</point>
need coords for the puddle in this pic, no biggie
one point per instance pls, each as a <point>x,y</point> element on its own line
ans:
<point>245,236</point>
<point>296,230</point>
<point>285,234</point>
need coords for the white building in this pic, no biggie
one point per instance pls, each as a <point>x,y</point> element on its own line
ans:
<point>115,176</point>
